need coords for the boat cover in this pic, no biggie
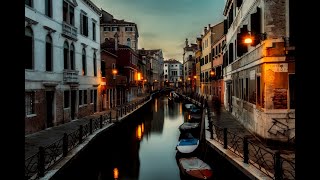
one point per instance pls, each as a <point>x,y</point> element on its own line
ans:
<point>193,163</point>
<point>188,142</point>
<point>189,125</point>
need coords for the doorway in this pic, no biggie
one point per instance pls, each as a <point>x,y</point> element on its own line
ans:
<point>95,100</point>
<point>73,103</point>
<point>49,106</point>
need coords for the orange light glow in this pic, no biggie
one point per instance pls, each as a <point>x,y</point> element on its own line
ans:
<point>211,73</point>
<point>142,127</point>
<point>139,76</point>
<point>248,40</point>
<point>139,132</point>
<point>115,173</point>
<point>114,71</point>
<point>156,105</point>
<point>195,77</point>
<point>189,117</point>
<point>188,78</point>
<point>180,108</point>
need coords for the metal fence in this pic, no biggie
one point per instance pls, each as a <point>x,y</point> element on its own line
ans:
<point>38,164</point>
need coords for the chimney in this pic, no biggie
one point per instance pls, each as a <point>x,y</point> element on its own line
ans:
<point>209,26</point>
<point>187,42</point>
<point>205,30</point>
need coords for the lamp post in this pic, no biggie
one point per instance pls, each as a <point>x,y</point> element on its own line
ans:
<point>114,73</point>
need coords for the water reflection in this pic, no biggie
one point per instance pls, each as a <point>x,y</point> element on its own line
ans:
<point>141,148</point>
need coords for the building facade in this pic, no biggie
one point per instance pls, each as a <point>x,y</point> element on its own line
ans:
<point>216,78</point>
<point>62,62</point>
<point>172,73</point>
<point>260,76</point>
<point>127,31</point>
<point>189,66</point>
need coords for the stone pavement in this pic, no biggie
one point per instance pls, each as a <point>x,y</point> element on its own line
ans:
<point>50,135</point>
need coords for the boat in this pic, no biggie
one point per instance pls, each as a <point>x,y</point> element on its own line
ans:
<point>189,127</point>
<point>195,117</point>
<point>189,106</point>
<point>195,168</point>
<point>187,145</point>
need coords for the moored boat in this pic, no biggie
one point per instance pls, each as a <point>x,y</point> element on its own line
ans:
<point>195,168</point>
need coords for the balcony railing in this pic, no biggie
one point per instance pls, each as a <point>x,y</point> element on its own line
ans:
<point>70,77</point>
<point>69,31</point>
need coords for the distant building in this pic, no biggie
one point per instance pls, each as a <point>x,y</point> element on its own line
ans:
<point>189,65</point>
<point>127,31</point>
<point>62,62</point>
<point>155,57</point>
<point>172,72</point>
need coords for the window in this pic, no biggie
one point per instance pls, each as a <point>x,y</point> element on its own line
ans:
<point>48,53</point>
<point>72,57</point>
<point>83,24</point>
<point>68,13</point>
<point>65,55</point>
<point>29,3</point>
<point>66,97</point>
<point>106,28</point>
<point>165,65</point>
<point>166,70</point>
<point>29,103</point>
<point>84,63</point>
<point>129,42</point>
<point>91,96</point>
<point>115,28</point>
<point>85,98</point>
<point>48,8</point>
<point>94,31</point>
<point>94,65</point>
<point>28,41</point>
<point>80,97</point>
<point>129,29</point>
<point>103,68</point>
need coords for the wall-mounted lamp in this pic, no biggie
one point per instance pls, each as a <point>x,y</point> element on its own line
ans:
<point>251,36</point>
<point>114,72</point>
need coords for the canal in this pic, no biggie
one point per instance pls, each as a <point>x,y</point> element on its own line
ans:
<point>142,147</point>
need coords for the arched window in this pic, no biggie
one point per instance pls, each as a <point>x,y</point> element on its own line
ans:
<point>84,63</point>
<point>106,39</point>
<point>49,63</point>
<point>65,55</point>
<point>72,57</point>
<point>28,44</point>
<point>94,64</point>
<point>129,42</point>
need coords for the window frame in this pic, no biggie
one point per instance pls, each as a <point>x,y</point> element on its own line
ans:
<point>30,104</point>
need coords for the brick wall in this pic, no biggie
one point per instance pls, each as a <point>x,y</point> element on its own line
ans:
<point>37,122</point>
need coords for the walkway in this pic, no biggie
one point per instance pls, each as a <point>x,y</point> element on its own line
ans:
<point>50,135</point>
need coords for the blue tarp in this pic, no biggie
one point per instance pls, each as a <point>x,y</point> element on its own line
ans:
<point>187,142</point>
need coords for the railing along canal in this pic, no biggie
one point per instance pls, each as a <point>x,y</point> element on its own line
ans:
<point>271,163</point>
<point>40,163</point>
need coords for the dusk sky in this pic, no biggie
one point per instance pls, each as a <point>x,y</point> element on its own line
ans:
<point>165,24</point>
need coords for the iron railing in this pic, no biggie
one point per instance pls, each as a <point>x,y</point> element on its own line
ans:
<point>40,163</point>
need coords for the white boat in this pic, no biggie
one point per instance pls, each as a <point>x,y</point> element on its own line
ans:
<point>187,145</point>
<point>195,168</point>
<point>188,106</point>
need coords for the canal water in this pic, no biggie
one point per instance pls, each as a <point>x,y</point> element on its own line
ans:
<point>143,147</point>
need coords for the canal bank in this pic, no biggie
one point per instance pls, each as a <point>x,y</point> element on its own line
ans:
<point>51,139</point>
<point>242,149</point>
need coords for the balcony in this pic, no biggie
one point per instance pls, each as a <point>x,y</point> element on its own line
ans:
<point>121,80</point>
<point>69,31</point>
<point>70,76</point>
